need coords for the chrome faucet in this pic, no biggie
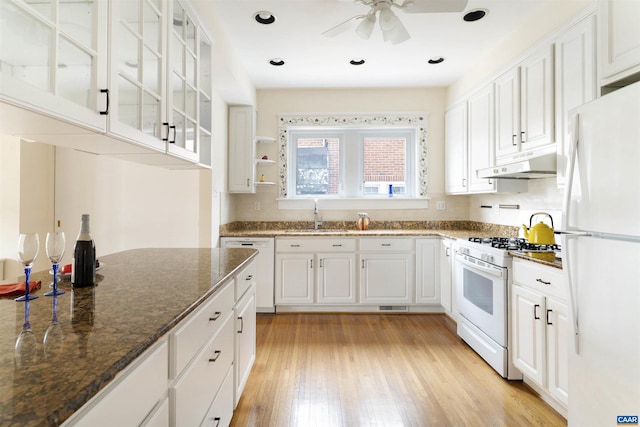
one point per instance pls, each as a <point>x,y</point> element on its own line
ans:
<point>316,222</point>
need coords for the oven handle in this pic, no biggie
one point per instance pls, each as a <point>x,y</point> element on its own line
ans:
<point>494,271</point>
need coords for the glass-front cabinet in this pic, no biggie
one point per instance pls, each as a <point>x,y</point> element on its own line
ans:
<point>53,57</point>
<point>137,71</point>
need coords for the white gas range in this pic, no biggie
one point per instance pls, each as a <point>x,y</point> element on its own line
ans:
<point>483,279</point>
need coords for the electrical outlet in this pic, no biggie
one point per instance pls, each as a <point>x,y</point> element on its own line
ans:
<point>256,206</point>
<point>441,205</point>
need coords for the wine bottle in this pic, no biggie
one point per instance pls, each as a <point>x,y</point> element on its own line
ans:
<point>84,257</point>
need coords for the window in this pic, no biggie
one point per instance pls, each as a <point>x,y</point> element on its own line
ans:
<point>352,157</point>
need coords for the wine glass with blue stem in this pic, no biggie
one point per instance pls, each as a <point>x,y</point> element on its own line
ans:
<point>55,246</point>
<point>28,247</point>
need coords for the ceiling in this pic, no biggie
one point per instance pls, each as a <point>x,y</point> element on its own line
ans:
<point>316,61</point>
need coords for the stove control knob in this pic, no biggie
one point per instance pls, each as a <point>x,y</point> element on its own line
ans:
<point>487,257</point>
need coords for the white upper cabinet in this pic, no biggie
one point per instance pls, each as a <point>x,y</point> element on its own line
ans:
<point>575,82</point>
<point>619,38</point>
<point>529,88</point>
<point>481,138</point>
<point>133,77</point>
<point>53,58</point>
<point>241,164</point>
<point>455,150</point>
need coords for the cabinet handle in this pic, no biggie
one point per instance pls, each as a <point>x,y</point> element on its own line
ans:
<point>311,263</point>
<point>448,252</point>
<point>543,282</point>
<point>167,132</point>
<point>215,317</point>
<point>241,324</point>
<point>362,263</point>
<point>386,244</point>
<point>320,262</point>
<point>535,311</point>
<point>337,246</point>
<point>214,422</point>
<point>216,355</point>
<point>249,277</point>
<point>464,182</point>
<point>549,311</point>
<point>106,111</point>
<point>173,141</point>
<point>247,182</point>
<point>522,141</point>
<point>294,246</point>
<point>513,139</point>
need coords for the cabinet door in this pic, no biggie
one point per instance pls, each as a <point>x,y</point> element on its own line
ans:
<point>245,342</point>
<point>507,113</point>
<point>456,150</point>
<point>619,39</point>
<point>575,82</point>
<point>528,319</point>
<point>54,59</point>
<point>536,100</point>
<point>428,271</point>
<point>336,278</point>
<point>241,149</point>
<point>446,275</point>
<point>481,138</point>
<point>386,278</point>
<point>557,319</point>
<point>294,278</point>
<point>138,72</point>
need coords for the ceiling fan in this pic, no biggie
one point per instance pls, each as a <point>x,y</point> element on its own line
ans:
<point>392,29</point>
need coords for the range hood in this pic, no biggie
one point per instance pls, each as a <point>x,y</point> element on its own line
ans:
<point>526,167</point>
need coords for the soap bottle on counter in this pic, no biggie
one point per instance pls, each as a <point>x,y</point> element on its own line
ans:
<point>84,257</point>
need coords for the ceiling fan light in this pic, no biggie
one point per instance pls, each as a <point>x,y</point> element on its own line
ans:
<point>388,19</point>
<point>396,35</point>
<point>365,28</point>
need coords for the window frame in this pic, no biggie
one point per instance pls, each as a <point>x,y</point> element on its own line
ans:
<point>293,122</point>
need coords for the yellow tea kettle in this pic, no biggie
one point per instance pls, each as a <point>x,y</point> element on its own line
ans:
<point>541,233</point>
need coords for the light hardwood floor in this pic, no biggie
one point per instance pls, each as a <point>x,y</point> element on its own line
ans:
<point>377,370</point>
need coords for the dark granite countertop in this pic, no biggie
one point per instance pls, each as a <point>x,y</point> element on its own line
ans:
<point>140,295</point>
<point>547,258</point>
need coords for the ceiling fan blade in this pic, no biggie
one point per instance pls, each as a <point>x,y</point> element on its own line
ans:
<point>433,6</point>
<point>350,23</point>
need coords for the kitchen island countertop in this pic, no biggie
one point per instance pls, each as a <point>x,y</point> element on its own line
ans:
<point>140,295</point>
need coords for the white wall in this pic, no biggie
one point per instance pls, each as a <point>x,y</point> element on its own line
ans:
<point>26,199</point>
<point>271,103</point>
<point>132,205</point>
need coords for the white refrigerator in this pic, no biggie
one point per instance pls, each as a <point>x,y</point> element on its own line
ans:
<point>601,260</point>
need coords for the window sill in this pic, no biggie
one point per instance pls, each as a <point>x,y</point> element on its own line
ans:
<point>359,204</point>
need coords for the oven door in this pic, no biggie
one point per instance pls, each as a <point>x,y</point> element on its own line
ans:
<point>481,290</point>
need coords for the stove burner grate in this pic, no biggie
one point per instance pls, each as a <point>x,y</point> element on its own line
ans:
<point>514,244</point>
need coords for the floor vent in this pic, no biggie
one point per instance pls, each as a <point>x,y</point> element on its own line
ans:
<point>392,308</point>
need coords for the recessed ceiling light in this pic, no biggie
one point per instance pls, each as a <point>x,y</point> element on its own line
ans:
<point>436,60</point>
<point>475,15</point>
<point>276,62</point>
<point>264,17</point>
<point>357,61</point>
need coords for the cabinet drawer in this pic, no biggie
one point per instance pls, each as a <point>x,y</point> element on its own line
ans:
<point>386,244</point>
<point>221,410</point>
<point>196,389</point>
<point>193,332</point>
<point>244,279</point>
<point>547,280</point>
<point>316,244</point>
<point>133,395</point>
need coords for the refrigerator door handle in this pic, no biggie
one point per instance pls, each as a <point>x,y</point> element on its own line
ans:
<point>571,165</point>
<point>573,297</point>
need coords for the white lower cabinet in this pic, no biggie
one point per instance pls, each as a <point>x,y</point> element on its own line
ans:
<point>446,275</point>
<point>541,328</point>
<point>428,271</point>
<point>133,396</point>
<point>387,270</point>
<point>315,270</point>
<point>245,340</point>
